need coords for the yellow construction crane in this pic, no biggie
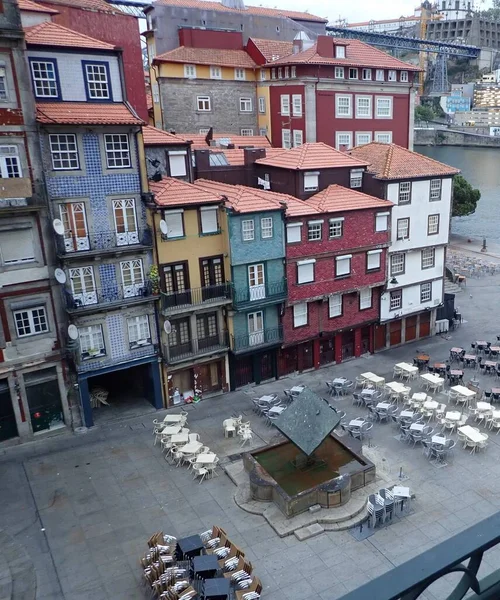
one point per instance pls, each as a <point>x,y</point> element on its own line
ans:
<point>425,16</point>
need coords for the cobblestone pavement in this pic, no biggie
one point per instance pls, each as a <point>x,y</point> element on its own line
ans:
<point>83,506</point>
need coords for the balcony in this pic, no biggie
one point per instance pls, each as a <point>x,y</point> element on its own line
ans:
<point>197,347</point>
<point>260,295</point>
<point>257,340</point>
<point>103,242</point>
<point>189,300</point>
<point>107,297</point>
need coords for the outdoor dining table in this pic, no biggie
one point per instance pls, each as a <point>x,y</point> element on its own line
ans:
<point>191,447</point>
<point>456,372</point>
<point>438,439</point>
<point>188,547</point>
<point>472,434</point>
<point>434,379</point>
<point>408,414</point>
<point>431,404</point>
<point>490,363</point>
<point>419,396</point>
<point>373,378</point>
<point>404,366</point>
<point>205,566</point>
<point>206,459</point>
<point>383,405</point>
<point>417,426</point>
<point>217,588</point>
<point>277,410</point>
<point>495,390</point>
<point>463,391</point>
<point>180,438</point>
<point>453,415</point>
<point>267,399</point>
<point>399,491</point>
<point>173,418</point>
<point>396,387</point>
<point>495,348</point>
<point>481,344</point>
<point>297,389</point>
<point>356,422</point>
<point>483,406</point>
<point>171,430</point>
<point>339,380</point>
<point>368,391</point>
<point>470,358</point>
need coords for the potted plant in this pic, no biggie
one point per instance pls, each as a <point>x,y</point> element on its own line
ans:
<point>154,279</point>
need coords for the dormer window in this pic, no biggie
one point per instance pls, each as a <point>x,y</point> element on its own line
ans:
<point>97,80</point>
<point>353,73</point>
<point>339,51</point>
<point>45,80</point>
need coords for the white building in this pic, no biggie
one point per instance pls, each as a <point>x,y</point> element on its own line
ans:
<point>421,190</point>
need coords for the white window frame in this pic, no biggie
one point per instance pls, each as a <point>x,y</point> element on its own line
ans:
<point>246,131</point>
<point>15,248</point>
<point>293,72</point>
<point>273,73</point>
<point>305,271</point>
<point>215,72</point>
<point>311,181</point>
<point>117,148</point>
<point>392,75</point>
<point>433,224</point>
<point>363,137</point>
<point>246,105</point>
<point>263,131</point>
<point>132,273</point>
<point>339,72</point>
<point>339,136</point>
<point>177,163</point>
<point>83,288</point>
<point>339,51</point>
<point>401,228</point>
<point>203,104</point>
<point>287,73</point>
<point>139,331</point>
<point>30,314</point>
<point>379,226</point>
<point>298,138</point>
<point>365,298</point>
<point>373,260</point>
<point>70,213</point>
<point>124,209</point>
<point>4,89</point>
<point>91,341</point>
<point>315,230</point>
<point>366,74</point>
<point>386,112</point>
<point>285,105</point>
<point>435,190</point>
<point>365,111</point>
<point>209,220</point>
<point>248,230</point>
<point>395,299</point>
<point>286,141</point>
<point>428,258</point>
<point>190,71</point>
<point>293,233</point>
<point>280,73</point>
<point>379,75</point>
<point>175,224</point>
<point>266,228</point>
<point>239,74</point>
<point>335,305</point>
<point>335,228</point>
<point>263,75</point>
<point>356,178</point>
<point>383,137</point>
<point>43,85</point>
<point>353,69</point>
<point>300,314</point>
<point>297,105</point>
<point>344,111</point>
<point>425,292</point>
<point>10,164</point>
<point>404,192</point>
<point>397,263</point>
<point>403,77</point>
<point>93,73</point>
<point>262,104</point>
<point>343,270</point>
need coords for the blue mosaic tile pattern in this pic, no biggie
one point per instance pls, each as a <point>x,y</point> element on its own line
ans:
<point>116,335</point>
<point>109,283</point>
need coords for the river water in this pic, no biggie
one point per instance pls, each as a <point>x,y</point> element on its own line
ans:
<point>481,167</point>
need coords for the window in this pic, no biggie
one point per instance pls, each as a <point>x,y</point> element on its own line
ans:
<point>356,178</point>
<point>209,219</point>
<point>204,130</point>
<point>305,271</point>
<point>190,71</point>
<point>433,225</point>
<point>206,330</point>
<point>396,300</point>
<point>179,338</point>
<point>344,140</point>
<point>215,73</point>
<point>384,108</point>
<point>285,105</point>
<point>373,260</point>
<point>266,227</point>
<point>426,292</point>
<point>262,104</point>
<point>297,105</point>
<point>392,76</point>
<point>397,264</point>
<point>64,152</point>
<point>435,190</point>
<point>339,51</point>
<point>138,331</point>
<point>344,106</point>
<point>353,73</point>
<point>125,222</point>
<point>293,232</point>
<point>239,74</point>
<point>298,138</point>
<point>45,81</point>
<point>285,138</point>
<point>177,163</point>
<point>335,305</point>
<point>16,246</point>
<point>31,321</point>
<point>248,230</point>
<point>263,75</point>
<point>367,74</point>
<point>339,73</point>
<point>403,77</point>
<point>203,104</point>
<point>280,73</point>
<point>311,181</point>
<point>273,73</point>
<point>3,84</point>
<point>382,221</point>
<point>383,137</point>
<point>300,314</point>
<point>246,132</point>
<point>10,165</point>
<point>175,223</point>
<point>83,287</point>
<point>336,228</point>
<point>75,226</point>
<point>365,298</point>
<point>97,81</point>
<point>246,105</point>
<point>404,193</point>
<point>91,341</point>
<point>343,265</point>
<point>132,277</point>
<point>363,107</point>
<point>428,258</point>
<point>117,151</point>
<point>403,229</point>
<point>314,230</point>
<point>263,131</point>
<point>287,72</point>
<point>293,72</point>
<point>363,138</point>
<point>379,75</point>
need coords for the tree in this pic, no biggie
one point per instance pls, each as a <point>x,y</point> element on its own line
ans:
<point>424,113</point>
<point>465,197</point>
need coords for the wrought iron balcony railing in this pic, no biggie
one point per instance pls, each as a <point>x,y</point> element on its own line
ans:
<point>72,243</point>
<point>195,347</point>
<point>106,295</point>
<point>189,299</point>
<point>257,339</point>
<point>266,293</point>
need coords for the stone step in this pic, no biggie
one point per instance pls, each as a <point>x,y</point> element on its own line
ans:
<point>308,532</point>
<point>451,288</point>
<point>20,567</point>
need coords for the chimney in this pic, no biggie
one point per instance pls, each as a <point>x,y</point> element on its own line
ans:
<point>253,154</point>
<point>297,46</point>
<point>202,160</point>
<point>325,46</point>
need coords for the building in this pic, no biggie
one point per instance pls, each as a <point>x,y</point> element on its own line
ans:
<point>93,160</point>
<point>455,102</point>
<point>486,95</point>
<point>421,190</point>
<point>399,25</point>
<point>33,396</point>
<point>167,155</point>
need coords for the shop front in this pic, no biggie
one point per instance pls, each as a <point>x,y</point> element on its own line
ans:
<point>193,383</point>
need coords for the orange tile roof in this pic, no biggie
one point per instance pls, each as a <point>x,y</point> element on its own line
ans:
<point>175,192</point>
<point>84,113</point>
<point>94,5</point>
<point>204,56</point>
<point>311,156</point>
<point>389,161</point>
<point>358,54</point>
<point>52,34</point>
<point>157,137</point>
<point>273,49</point>
<point>337,198</point>
<point>199,140</point>
<point>252,10</point>
<point>27,5</point>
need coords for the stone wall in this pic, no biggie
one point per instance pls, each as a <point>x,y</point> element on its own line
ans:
<point>443,137</point>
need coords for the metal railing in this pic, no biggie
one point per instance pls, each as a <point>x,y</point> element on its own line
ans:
<point>197,346</point>
<point>411,579</point>
<point>212,294</point>
<point>70,243</point>
<point>257,339</point>
<point>259,294</point>
<point>106,295</point>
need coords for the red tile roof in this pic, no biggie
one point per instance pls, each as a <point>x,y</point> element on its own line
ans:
<point>27,5</point>
<point>204,56</point>
<point>251,10</point>
<point>199,140</point>
<point>273,49</point>
<point>358,54</point>
<point>158,137</point>
<point>312,156</point>
<point>336,198</point>
<point>94,5</point>
<point>52,34</point>
<point>84,113</point>
<point>170,192</point>
<point>389,161</point>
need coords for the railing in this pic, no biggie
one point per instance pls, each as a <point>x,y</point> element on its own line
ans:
<point>260,294</point>
<point>257,339</point>
<point>195,347</point>
<point>70,243</point>
<point>106,295</point>
<point>193,297</point>
<point>411,579</point>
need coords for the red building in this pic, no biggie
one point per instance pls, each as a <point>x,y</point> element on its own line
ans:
<point>336,245</point>
<point>341,92</point>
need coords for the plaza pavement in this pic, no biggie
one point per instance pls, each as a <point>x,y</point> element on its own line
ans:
<point>83,506</point>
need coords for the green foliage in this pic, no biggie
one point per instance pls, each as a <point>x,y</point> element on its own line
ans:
<point>465,197</point>
<point>424,113</point>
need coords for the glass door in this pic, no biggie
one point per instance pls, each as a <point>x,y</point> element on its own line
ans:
<point>256,282</point>
<point>255,328</point>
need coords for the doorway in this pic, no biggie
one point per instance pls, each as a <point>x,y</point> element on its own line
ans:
<point>8,425</point>
<point>44,400</point>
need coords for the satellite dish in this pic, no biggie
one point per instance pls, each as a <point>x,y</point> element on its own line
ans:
<point>73,332</point>
<point>60,276</point>
<point>58,226</point>
<point>167,326</point>
<point>163,227</point>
